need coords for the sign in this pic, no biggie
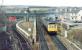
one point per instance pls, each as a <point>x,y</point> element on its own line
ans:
<point>12,18</point>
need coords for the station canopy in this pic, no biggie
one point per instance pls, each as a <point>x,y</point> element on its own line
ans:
<point>51,3</point>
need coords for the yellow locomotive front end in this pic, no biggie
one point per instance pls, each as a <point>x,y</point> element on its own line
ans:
<point>52,28</point>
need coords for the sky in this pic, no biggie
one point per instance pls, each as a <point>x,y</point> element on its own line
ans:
<point>72,3</point>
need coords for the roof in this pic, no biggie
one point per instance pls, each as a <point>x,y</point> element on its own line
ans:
<point>80,12</point>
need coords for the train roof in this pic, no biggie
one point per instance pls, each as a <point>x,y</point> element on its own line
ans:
<point>55,21</point>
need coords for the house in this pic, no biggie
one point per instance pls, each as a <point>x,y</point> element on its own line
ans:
<point>79,16</point>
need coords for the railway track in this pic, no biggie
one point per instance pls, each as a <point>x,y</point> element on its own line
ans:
<point>18,40</point>
<point>42,41</point>
<point>23,42</point>
<point>5,42</point>
<point>58,43</point>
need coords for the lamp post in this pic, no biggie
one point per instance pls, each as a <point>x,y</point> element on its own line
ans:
<point>25,16</point>
<point>28,11</point>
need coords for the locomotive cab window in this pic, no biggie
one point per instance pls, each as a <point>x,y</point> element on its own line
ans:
<point>51,26</point>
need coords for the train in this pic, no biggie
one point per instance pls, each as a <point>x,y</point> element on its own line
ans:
<point>51,26</point>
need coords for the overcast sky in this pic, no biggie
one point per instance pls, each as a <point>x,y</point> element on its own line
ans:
<point>43,2</point>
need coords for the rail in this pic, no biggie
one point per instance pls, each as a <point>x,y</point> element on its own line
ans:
<point>24,44</point>
<point>23,33</point>
<point>43,44</point>
<point>58,43</point>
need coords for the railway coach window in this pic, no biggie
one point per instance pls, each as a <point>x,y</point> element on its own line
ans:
<point>49,26</point>
<point>52,26</point>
